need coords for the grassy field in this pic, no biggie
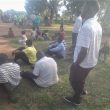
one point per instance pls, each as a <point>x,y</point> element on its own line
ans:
<point>31,97</point>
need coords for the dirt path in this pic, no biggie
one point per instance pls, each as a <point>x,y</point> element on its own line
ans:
<point>4,46</point>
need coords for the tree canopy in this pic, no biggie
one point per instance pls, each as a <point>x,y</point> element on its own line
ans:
<point>50,8</point>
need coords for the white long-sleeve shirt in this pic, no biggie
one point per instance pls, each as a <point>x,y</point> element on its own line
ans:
<point>77,25</point>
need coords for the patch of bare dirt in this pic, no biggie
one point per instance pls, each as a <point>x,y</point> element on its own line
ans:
<point>4,46</point>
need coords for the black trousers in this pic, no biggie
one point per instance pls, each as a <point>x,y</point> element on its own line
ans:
<point>77,80</point>
<point>9,89</point>
<point>50,53</point>
<point>28,75</point>
<point>74,39</point>
<point>21,55</point>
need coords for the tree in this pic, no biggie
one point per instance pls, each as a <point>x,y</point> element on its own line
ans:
<point>1,14</point>
<point>54,6</point>
<point>73,6</point>
<point>36,6</point>
<point>106,18</point>
<point>43,7</point>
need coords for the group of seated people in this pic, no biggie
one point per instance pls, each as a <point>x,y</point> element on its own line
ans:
<point>44,72</point>
<point>44,68</point>
<point>37,34</point>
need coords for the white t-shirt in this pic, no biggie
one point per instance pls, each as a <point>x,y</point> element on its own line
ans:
<point>77,25</point>
<point>22,40</point>
<point>89,37</point>
<point>46,70</point>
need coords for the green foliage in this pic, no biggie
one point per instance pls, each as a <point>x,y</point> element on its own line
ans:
<point>73,6</point>
<point>43,7</point>
<point>106,18</point>
<point>35,6</point>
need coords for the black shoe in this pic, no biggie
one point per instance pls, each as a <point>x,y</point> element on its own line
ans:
<point>71,101</point>
<point>84,93</point>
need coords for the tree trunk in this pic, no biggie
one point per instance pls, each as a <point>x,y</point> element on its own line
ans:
<point>51,16</point>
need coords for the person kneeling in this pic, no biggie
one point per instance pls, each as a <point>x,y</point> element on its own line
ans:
<point>44,73</point>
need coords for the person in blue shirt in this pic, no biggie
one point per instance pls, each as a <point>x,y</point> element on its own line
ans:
<point>57,49</point>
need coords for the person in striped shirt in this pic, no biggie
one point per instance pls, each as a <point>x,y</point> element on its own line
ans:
<point>9,74</point>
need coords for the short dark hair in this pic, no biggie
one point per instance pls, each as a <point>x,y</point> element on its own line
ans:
<point>94,4</point>
<point>23,32</point>
<point>3,58</point>
<point>29,42</point>
<point>40,54</point>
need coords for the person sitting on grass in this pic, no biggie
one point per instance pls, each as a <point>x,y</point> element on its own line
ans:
<point>22,40</point>
<point>44,73</point>
<point>57,48</point>
<point>45,35</point>
<point>10,33</point>
<point>26,54</point>
<point>9,75</point>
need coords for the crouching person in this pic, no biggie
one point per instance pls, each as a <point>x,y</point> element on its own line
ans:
<point>9,75</point>
<point>26,54</point>
<point>44,73</point>
<point>57,49</point>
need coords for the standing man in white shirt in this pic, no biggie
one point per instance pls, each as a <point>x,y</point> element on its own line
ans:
<point>86,50</point>
<point>76,28</point>
<point>45,71</point>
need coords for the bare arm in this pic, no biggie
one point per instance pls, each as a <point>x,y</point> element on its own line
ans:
<point>82,55</point>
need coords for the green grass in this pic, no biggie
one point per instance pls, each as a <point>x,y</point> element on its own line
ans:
<point>31,97</point>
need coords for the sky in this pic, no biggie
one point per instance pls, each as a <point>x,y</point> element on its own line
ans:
<point>17,5</point>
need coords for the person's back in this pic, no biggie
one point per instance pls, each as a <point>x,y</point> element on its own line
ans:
<point>47,69</point>
<point>31,54</point>
<point>10,73</point>
<point>27,53</point>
